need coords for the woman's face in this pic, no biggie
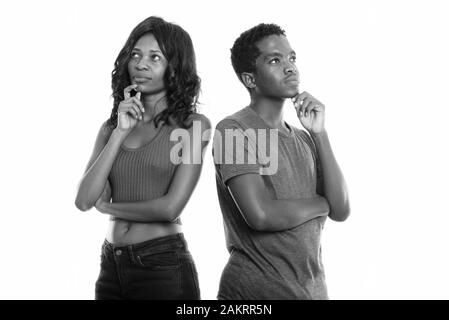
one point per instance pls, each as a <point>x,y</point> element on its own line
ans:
<point>147,65</point>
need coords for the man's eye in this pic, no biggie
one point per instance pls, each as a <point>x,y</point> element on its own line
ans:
<point>293,59</point>
<point>274,61</point>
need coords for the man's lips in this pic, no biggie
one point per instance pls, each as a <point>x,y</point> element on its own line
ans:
<point>292,79</point>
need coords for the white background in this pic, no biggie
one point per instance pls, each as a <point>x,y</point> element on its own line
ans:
<point>380,67</point>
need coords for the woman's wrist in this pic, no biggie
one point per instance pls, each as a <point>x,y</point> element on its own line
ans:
<point>119,133</point>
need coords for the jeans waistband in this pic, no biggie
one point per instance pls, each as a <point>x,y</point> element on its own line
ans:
<point>173,241</point>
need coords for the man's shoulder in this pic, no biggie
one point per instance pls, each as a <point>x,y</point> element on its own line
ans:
<point>299,132</point>
<point>241,119</point>
<point>231,121</point>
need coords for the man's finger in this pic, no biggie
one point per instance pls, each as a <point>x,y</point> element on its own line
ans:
<point>302,96</point>
<point>309,108</point>
<point>303,104</point>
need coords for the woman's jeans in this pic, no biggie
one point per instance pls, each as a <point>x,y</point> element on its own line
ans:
<point>160,268</point>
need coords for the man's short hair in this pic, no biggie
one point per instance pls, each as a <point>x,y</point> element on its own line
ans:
<point>244,52</point>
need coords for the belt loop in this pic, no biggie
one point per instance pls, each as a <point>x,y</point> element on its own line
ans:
<point>107,248</point>
<point>131,253</point>
<point>183,241</point>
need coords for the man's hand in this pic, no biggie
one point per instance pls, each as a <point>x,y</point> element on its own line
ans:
<point>310,112</point>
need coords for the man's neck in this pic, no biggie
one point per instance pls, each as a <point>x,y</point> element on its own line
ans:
<point>270,110</point>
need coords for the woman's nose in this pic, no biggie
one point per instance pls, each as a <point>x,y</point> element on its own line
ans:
<point>142,64</point>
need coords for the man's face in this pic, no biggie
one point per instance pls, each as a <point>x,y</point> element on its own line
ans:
<point>276,75</point>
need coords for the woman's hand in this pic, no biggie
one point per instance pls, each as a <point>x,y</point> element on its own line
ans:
<point>130,110</point>
<point>310,112</point>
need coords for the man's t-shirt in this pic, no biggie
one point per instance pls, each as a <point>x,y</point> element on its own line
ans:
<point>268,265</point>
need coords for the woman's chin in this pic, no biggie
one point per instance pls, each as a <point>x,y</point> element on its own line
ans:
<point>148,91</point>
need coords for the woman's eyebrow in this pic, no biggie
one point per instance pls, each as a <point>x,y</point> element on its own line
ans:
<point>152,50</point>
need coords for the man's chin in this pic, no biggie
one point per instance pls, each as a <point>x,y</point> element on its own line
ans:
<point>292,93</point>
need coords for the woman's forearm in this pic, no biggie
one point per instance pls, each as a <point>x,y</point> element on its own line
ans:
<point>155,210</point>
<point>93,182</point>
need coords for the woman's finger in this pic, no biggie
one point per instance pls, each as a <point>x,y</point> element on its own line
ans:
<point>138,103</point>
<point>130,110</point>
<point>137,110</point>
<point>127,91</point>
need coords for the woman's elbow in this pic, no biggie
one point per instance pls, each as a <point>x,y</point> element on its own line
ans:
<point>82,204</point>
<point>172,212</point>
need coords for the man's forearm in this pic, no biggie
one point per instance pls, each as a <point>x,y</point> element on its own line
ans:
<point>334,185</point>
<point>287,214</point>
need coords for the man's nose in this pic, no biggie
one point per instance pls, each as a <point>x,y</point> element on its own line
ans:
<point>290,68</point>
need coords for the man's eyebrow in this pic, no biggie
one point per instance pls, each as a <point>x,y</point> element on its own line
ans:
<point>270,55</point>
<point>276,54</point>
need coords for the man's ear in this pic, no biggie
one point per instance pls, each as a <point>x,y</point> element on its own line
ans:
<point>248,80</point>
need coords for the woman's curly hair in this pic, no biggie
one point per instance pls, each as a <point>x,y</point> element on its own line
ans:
<point>181,80</point>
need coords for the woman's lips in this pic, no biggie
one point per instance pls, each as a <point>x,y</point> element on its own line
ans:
<point>141,79</point>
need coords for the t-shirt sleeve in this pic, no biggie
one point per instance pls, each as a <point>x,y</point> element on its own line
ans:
<point>234,150</point>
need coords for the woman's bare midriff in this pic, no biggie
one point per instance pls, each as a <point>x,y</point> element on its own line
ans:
<point>122,232</point>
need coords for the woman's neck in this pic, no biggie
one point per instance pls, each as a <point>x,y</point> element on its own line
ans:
<point>153,104</point>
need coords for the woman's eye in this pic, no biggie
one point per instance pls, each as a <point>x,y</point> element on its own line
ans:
<point>134,55</point>
<point>155,57</point>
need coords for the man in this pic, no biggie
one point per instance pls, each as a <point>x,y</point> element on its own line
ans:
<point>273,218</point>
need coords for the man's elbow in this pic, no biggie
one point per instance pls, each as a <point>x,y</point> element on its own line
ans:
<point>258,222</point>
<point>340,214</point>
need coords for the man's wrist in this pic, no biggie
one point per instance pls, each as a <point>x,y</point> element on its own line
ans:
<point>318,134</point>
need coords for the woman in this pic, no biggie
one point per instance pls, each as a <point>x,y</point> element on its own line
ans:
<point>132,175</point>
